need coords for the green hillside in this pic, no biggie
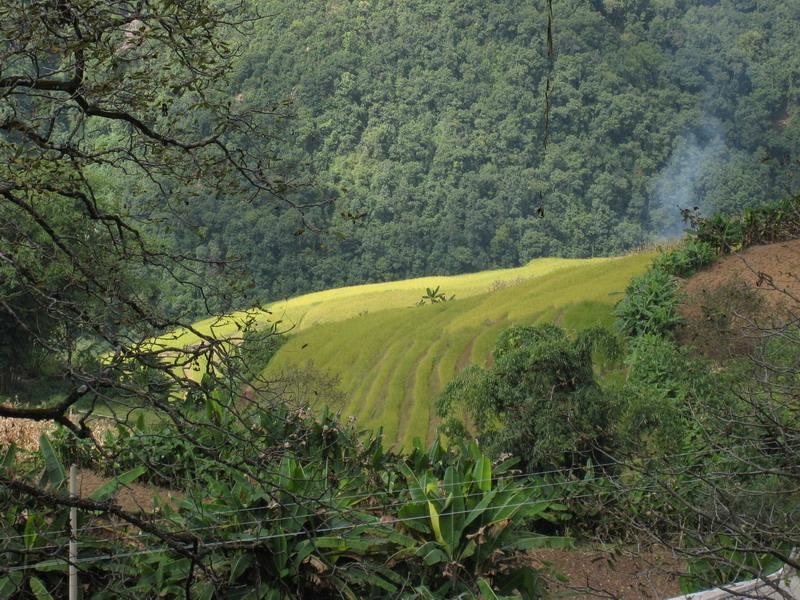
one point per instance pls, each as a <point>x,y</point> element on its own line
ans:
<point>393,362</point>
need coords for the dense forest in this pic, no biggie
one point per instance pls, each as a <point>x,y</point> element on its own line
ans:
<point>423,123</point>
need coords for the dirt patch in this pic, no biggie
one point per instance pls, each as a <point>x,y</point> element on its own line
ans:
<point>135,497</point>
<point>727,304</point>
<point>756,266</point>
<point>598,574</point>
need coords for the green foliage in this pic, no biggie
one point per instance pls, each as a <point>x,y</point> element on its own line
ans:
<point>773,222</point>
<point>425,125</point>
<point>666,393</point>
<point>31,530</point>
<point>539,401</point>
<point>328,514</point>
<point>55,474</point>
<point>730,566</point>
<point>394,363</point>
<point>650,304</point>
<point>470,517</point>
<point>686,259</point>
<point>258,347</point>
<point>170,453</point>
<point>312,474</point>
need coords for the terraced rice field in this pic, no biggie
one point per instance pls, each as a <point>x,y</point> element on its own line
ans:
<point>393,357</point>
<point>302,312</point>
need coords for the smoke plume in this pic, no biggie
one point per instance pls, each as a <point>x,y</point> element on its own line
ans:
<point>678,184</point>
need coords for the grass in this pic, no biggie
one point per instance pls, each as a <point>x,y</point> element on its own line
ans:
<point>393,357</point>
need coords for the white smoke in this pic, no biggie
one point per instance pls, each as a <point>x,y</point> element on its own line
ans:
<point>678,184</point>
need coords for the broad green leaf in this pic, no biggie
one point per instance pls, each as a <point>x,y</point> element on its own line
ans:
<point>31,531</point>
<point>508,504</point>
<point>487,593</point>
<point>482,473</point>
<point>365,576</point>
<point>281,553</point>
<point>452,518</point>
<point>505,466</point>
<point>39,590</point>
<point>416,486</point>
<point>414,516</point>
<point>392,536</point>
<point>53,566</point>
<point>481,508</point>
<point>435,451</point>
<point>437,530</point>
<point>431,554</point>
<point>9,585</point>
<point>202,590</point>
<point>389,574</point>
<point>240,565</point>
<point>534,541</point>
<point>332,543</point>
<point>108,489</point>
<point>534,509</point>
<point>286,471</point>
<point>56,475</point>
<point>303,551</point>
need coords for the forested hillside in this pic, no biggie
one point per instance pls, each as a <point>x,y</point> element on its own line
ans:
<point>424,121</point>
<point>171,427</point>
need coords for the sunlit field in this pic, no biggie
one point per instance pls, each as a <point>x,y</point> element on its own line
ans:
<point>393,357</point>
<point>302,312</point>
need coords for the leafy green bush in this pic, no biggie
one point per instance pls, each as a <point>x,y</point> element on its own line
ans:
<point>359,524</point>
<point>539,402</point>
<point>772,222</point>
<point>650,305</point>
<point>84,452</point>
<point>686,259</point>
<point>661,396</point>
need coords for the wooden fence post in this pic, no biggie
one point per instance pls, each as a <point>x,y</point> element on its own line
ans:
<point>73,534</point>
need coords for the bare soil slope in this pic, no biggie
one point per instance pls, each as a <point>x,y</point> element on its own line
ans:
<point>727,303</point>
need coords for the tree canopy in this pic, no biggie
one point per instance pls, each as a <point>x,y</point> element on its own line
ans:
<point>425,122</point>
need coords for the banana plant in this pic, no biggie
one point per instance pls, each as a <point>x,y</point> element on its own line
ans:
<point>434,296</point>
<point>470,525</point>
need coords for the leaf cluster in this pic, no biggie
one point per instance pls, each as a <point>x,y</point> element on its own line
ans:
<point>650,304</point>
